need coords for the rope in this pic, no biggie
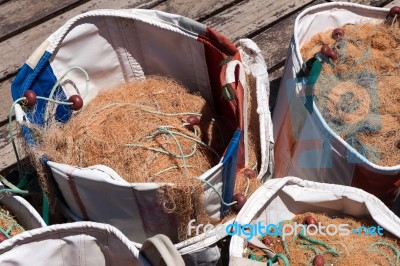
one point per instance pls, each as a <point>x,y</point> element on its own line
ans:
<point>275,259</point>
<point>318,242</point>
<point>55,86</point>
<point>247,186</point>
<point>172,133</point>
<point>179,147</point>
<point>396,251</point>
<point>163,129</point>
<point>50,99</point>
<point>11,226</point>
<point>219,195</point>
<point>307,244</point>
<point>394,20</point>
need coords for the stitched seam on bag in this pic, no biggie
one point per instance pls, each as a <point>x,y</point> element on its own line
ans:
<point>126,44</point>
<point>140,45</point>
<point>142,221</point>
<point>194,66</point>
<point>78,200</point>
<point>110,38</point>
<point>205,71</point>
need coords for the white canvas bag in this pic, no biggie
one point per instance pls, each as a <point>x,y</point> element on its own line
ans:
<point>80,243</point>
<point>114,46</point>
<point>283,198</point>
<point>305,146</point>
<point>22,210</point>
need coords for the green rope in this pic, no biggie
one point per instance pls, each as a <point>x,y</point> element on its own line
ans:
<point>284,242</point>
<point>285,247</point>
<point>173,134</point>
<point>179,147</point>
<point>160,129</point>
<point>158,112</point>
<point>219,195</point>
<point>396,251</point>
<point>308,246</point>
<point>12,187</point>
<point>276,258</point>
<point>197,141</point>
<point>318,242</point>
<point>11,226</point>
<point>176,167</point>
<point>252,256</point>
<point>45,208</point>
<point>55,86</point>
<point>26,179</point>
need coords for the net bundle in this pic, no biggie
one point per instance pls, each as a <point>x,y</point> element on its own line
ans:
<point>9,226</point>
<point>361,246</point>
<point>358,93</point>
<point>150,130</point>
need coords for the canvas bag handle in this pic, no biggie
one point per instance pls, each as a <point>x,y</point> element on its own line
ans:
<point>159,250</point>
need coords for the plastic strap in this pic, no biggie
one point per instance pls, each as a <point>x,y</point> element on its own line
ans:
<point>159,250</point>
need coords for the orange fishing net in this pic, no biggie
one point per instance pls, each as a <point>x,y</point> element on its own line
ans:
<point>358,93</point>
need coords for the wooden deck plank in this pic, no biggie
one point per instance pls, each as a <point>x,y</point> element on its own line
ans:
<point>365,2</point>
<point>7,156</point>
<point>393,3</point>
<point>199,10</point>
<point>6,100</point>
<point>15,50</point>
<point>275,79</point>
<point>17,16</point>
<point>29,40</point>
<point>274,41</point>
<point>250,16</point>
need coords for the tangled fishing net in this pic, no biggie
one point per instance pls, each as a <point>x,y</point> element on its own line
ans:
<point>358,93</point>
<point>151,130</point>
<point>9,227</point>
<point>361,247</point>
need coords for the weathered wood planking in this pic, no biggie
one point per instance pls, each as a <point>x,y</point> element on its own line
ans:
<point>28,41</point>
<point>250,16</point>
<point>5,100</point>
<point>17,16</point>
<point>393,3</point>
<point>274,44</point>
<point>15,50</point>
<point>365,2</point>
<point>274,41</point>
<point>199,10</point>
<point>275,79</point>
<point>234,19</point>
<point>7,156</point>
<point>196,11</point>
